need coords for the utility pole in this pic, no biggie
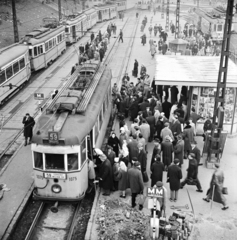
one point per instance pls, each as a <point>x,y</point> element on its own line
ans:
<point>59,10</point>
<point>15,27</point>
<point>219,106</point>
<point>163,9</point>
<point>167,16</point>
<point>177,19</point>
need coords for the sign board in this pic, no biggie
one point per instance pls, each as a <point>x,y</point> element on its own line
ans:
<point>155,192</point>
<point>39,96</point>
<point>55,175</point>
<point>53,137</point>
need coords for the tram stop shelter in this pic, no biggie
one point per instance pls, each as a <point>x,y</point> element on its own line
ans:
<point>200,75</point>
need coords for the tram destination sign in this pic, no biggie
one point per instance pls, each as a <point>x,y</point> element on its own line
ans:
<point>55,175</point>
<point>38,96</point>
<point>53,137</point>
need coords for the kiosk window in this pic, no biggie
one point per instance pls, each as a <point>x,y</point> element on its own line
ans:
<point>38,160</point>
<point>54,161</point>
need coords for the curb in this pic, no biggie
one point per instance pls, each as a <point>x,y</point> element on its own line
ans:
<point>90,224</point>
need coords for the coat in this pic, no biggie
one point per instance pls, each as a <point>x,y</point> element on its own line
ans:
<point>133,149</point>
<point>166,132</point>
<point>157,169</point>
<point>167,150</point>
<point>142,158</point>
<point>123,180</point>
<point>28,126</point>
<point>176,128</point>
<point>143,37</point>
<point>174,175</point>
<point>145,131</point>
<point>188,136</point>
<point>135,69</point>
<point>156,150</point>
<point>179,150</point>
<point>151,121</point>
<point>135,180</point>
<point>114,143</point>
<point>166,108</point>
<point>106,173</point>
<point>134,109</point>
<point>196,151</point>
<point>111,157</point>
<point>153,50</point>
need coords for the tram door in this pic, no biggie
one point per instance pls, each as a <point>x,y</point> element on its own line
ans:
<point>90,145</point>
<point>74,32</point>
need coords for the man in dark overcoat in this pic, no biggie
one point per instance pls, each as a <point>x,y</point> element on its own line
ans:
<point>158,127</point>
<point>174,175</point>
<point>176,126</point>
<point>167,150</point>
<point>134,109</point>
<point>157,169</point>
<point>133,148</point>
<point>166,106</point>
<point>151,121</point>
<point>174,94</point>
<point>179,150</point>
<point>111,154</point>
<point>29,123</point>
<point>105,175</point>
<point>135,182</point>
<point>156,150</point>
<point>144,105</point>
<point>142,157</point>
<point>196,151</point>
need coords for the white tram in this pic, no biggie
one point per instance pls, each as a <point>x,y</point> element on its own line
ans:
<point>65,134</point>
<point>14,70</point>
<point>45,45</point>
<point>75,28</point>
<point>106,12</point>
<point>92,17</point>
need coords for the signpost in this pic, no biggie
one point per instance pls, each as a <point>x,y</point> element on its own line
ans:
<point>38,96</point>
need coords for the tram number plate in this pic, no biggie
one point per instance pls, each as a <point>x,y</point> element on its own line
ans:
<point>55,175</point>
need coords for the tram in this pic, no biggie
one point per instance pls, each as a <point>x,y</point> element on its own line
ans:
<point>15,70</point>
<point>45,45</point>
<point>66,133</point>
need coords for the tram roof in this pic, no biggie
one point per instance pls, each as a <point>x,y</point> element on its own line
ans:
<point>199,71</point>
<point>10,53</point>
<point>202,13</point>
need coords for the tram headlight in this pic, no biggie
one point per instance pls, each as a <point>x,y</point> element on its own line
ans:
<point>56,188</point>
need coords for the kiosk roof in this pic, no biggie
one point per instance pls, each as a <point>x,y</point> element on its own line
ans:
<point>197,71</point>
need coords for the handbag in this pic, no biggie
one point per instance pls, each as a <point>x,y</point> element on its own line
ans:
<point>225,190</point>
<point>145,177</point>
<point>141,199</point>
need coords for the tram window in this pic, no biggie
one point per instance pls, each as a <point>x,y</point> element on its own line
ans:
<point>38,160</point>
<point>54,161</point>
<point>9,72</point>
<point>219,28</point>
<point>2,77</point>
<point>101,118</point>
<point>50,44</point>
<point>30,52</point>
<point>46,46</point>
<point>35,52</point>
<point>83,152</point>
<point>16,67</point>
<point>104,106</point>
<point>22,63</point>
<point>40,49</point>
<point>72,161</point>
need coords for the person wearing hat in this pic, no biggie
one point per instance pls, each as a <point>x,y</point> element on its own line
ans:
<point>179,150</point>
<point>113,141</point>
<point>188,136</point>
<point>174,175</point>
<point>151,121</point>
<point>156,150</point>
<point>142,157</point>
<point>166,132</point>
<point>192,174</point>
<point>145,131</point>
<point>158,127</point>
<point>176,125</point>
<point>115,168</point>
<point>157,169</point>
<point>196,151</point>
<point>105,175</point>
<point>167,151</point>
<point>135,182</point>
<point>123,136</point>
<point>166,106</point>
<point>133,148</point>
<point>162,198</point>
<point>216,187</point>
<point>110,154</point>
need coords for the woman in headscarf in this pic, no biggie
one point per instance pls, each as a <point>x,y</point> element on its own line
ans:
<point>122,184</point>
<point>113,141</point>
